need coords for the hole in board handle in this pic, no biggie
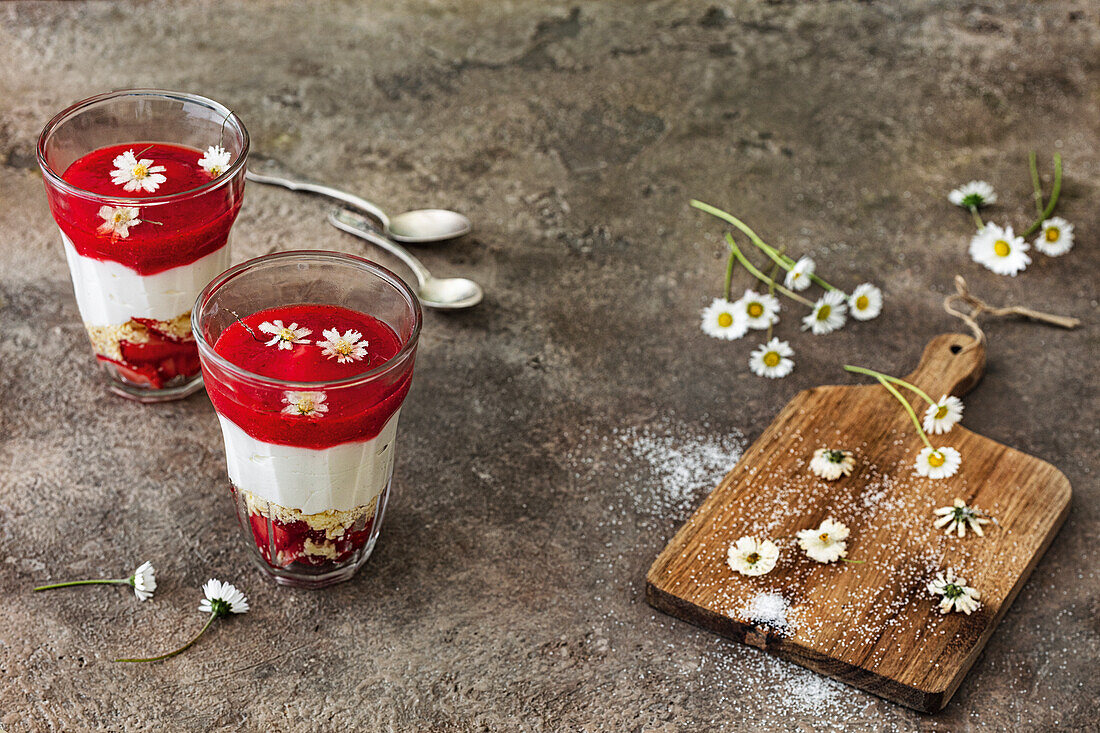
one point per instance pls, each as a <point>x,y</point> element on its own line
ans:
<point>955,348</point>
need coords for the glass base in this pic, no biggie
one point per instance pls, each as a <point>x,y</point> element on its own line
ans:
<point>176,389</point>
<point>302,578</point>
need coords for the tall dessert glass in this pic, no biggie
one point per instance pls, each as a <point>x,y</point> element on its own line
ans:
<point>307,357</point>
<point>144,185</point>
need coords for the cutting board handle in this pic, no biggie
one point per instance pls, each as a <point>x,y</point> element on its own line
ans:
<point>952,364</point>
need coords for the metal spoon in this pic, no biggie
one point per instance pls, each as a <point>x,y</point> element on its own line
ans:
<point>419,226</point>
<point>444,293</point>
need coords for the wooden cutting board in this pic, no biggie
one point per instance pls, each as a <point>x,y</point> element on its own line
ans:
<point>871,624</point>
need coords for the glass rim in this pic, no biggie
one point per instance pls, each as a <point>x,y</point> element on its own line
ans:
<point>54,178</point>
<point>206,349</point>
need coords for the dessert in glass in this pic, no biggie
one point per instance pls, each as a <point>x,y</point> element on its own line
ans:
<point>144,185</point>
<point>307,357</point>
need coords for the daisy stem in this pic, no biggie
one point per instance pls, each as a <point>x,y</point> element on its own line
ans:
<point>771,291</point>
<point>844,559</point>
<point>908,408</point>
<point>103,581</point>
<point>1052,201</point>
<point>729,275</point>
<point>761,276</point>
<point>183,648</point>
<point>1035,182</point>
<point>977,217</point>
<point>887,377</point>
<point>782,260</point>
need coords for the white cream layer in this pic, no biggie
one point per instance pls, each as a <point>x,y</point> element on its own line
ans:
<point>311,480</point>
<point>109,293</point>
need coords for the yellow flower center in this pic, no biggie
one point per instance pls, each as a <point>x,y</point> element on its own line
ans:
<point>942,412</point>
<point>215,170</point>
<point>342,347</point>
<point>305,406</point>
<point>755,310</point>
<point>725,320</point>
<point>286,334</point>
<point>140,171</point>
<point>771,359</point>
<point>120,216</point>
<point>936,459</point>
<point>862,302</point>
<point>1001,248</point>
<point>752,558</point>
<point>823,312</point>
<point>824,536</point>
<point>1053,233</point>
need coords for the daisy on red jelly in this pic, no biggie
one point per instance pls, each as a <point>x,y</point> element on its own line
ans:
<point>215,160</point>
<point>117,220</point>
<point>285,336</point>
<point>309,404</point>
<point>137,175</point>
<point>347,348</point>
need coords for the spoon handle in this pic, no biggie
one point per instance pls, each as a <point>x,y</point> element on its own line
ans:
<point>352,223</point>
<point>347,198</point>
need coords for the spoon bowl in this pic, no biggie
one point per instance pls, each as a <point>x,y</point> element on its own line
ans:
<point>450,293</point>
<point>428,225</point>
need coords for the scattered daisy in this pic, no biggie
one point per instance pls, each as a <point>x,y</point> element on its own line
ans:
<point>749,557</point>
<point>831,464</point>
<point>828,314</point>
<point>772,360</point>
<point>221,600</point>
<point>309,404</point>
<point>1055,237</point>
<point>143,581</point>
<point>975,194</point>
<point>285,336</point>
<point>798,277</point>
<point>215,160</point>
<point>826,543</point>
<point>760,309</point>
<point>865,302</point>
<point>942,416</point>
<point>958,517</point>
<point>999,250</point>
<point>724,320</point>
<point>137,175</point>
<point>117,220</point>
<point>938,462</point>
<point>347,348</point>
<point>955,594</point>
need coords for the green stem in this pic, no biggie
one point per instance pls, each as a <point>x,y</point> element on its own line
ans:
<point>1036,184</point>
<point>104,581</point>
<point>1052,201</point>
<point>183,648</point>
<point>761,276</point>
<point>729,275</point>
<point>977,217</point>
<point>786,262</point>
<point>844,559</point>
<point>895,380</point>
<point>909,409</point>
<point>771,291</point>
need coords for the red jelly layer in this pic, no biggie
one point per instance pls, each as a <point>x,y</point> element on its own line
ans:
<point>155,362</point>
<point>186,229</point>
<point>354,413</point>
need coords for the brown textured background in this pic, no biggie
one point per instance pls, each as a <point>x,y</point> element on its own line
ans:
<point>506,593</point>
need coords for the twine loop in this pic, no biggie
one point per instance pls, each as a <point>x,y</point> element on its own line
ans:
<point>968,307</point>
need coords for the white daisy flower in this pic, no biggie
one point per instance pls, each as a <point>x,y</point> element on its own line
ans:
<point>942,416</point>
<point>347,348</point>
<point>772,360</point>
<point>285,336</point>
<point>938,462</point>
<point>144,581</point>
<point>826,543</point>
<point>222,599</point>
<point>760,309</point>
<point>798,277</point>
<point>958,517</point>
<point>117,220</point>
<point>137,175</point>
<point>309,404</point>
<point>215,160</point>
<point>865,302</point>
<point>828,314</point>
<point>723,320</point>
<point>1055,237</point>
<point>999,250</point>
<point>749,557</point>
<point>955,594</point>
<point>831,464</point>
<point>975,194</point>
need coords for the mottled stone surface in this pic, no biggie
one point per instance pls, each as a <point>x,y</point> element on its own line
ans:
<point>536,478</point>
